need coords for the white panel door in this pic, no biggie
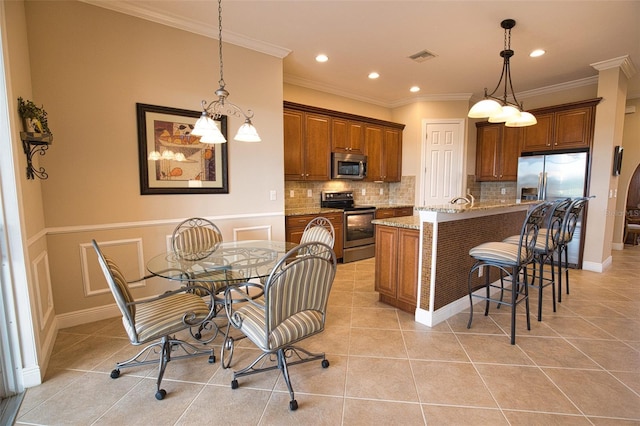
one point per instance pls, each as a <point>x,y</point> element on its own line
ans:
<point>443,162</point>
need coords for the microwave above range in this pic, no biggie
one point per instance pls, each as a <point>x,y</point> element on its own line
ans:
<point>348,166</point>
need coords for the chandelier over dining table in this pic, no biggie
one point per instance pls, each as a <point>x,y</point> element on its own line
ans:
<point>206,126</point>
<point>501,109</point>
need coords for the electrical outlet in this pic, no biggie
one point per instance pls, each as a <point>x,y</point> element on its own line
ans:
<point>272,195</point>
<point>364,191</point>
<point>503,191</point>
<point>309,193</point>
<point>292,193</point>
<point>381,191</point>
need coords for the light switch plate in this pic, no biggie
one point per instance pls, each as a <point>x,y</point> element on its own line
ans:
<point>364,191</point>
<point>309,193</point>
<point>272,195</point>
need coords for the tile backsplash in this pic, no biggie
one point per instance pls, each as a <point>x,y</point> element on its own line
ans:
<point>307,194</point>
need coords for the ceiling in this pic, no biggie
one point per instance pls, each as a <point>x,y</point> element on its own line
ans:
<point>465,36</point>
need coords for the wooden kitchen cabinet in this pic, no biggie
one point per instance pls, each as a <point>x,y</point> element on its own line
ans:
<point>498,149</point>
<point>561,127</point>
<point>294,227</point>
<point>387,212</point>
<point>384,153</point>
<point>347,136</point>
<point>396,275</point>
<point>307,146</point>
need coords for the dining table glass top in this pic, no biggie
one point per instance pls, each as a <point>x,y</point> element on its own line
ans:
<point>247,259</point>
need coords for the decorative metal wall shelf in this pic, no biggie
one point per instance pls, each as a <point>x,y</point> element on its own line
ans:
<point>32,143</point>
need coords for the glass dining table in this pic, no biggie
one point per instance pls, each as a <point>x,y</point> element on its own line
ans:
<point>241,263</point>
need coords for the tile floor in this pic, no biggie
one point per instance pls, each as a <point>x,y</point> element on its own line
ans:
<point>580,365</point>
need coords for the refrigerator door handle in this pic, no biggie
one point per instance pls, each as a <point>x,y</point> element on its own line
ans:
<point>544,186</point>
<point>540,186</point>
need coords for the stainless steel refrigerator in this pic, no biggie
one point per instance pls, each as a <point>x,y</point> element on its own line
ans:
<point>553,177</point>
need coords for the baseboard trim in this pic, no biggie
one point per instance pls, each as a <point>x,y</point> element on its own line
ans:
<point>85,316</point>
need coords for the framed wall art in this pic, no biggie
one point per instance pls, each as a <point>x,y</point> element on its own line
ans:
<point>172,160</point>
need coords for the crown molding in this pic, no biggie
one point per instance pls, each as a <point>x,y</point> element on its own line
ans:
<point>622,62</point>
<point>193,26</point>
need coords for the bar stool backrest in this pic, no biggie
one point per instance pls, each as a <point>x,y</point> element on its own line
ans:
<point>557,214</point>
<point>571,219</point>
<point>529,233</point>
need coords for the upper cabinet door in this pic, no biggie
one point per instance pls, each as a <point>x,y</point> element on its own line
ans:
<point>392,155</point>
<point>572,129</point>
<point>317,147</point>
<point>293,146</point>
<point>539,136</point>
<point>374,138</point>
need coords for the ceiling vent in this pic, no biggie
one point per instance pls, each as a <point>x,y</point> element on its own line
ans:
<point>422,56</point>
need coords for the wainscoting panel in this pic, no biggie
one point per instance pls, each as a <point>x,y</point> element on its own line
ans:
<point>44,293</point>
<point>127,254</point>
<point>252,233</point>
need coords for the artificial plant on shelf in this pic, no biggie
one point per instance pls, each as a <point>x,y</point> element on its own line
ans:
<point>34,117</point>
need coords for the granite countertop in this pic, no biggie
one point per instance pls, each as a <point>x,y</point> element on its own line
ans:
<point>479,205</point>
<point>299,211</point>
<point>408,222</point>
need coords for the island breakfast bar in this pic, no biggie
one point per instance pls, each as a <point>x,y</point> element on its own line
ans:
<point>439,270</point>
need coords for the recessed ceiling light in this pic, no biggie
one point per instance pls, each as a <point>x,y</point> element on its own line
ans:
<point>322,58</point>
<point>414,89</point>
<point>374,75</point>
<point>536,53</point>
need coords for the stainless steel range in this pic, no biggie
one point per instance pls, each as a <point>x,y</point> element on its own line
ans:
<point>359,232</point>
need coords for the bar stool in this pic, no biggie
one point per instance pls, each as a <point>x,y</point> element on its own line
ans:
<point>546,245</point>
<point>568,228</point>
<point>510,259</point>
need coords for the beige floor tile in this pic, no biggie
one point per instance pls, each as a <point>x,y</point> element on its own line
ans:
<point>313,410</point>
<point>451,383</point>
<point>577,327</point>
<point>375,318</point>
<point>530,418</point>
<point>434,346</point>
<point>630,379</point>
<point>480,324</point>
<point>507,383</point>
<point>88,353</point>
<point>611,355</point>
<point>372,412</point>
<point>242,357</point>
<point>379,343</point>
<point>311,377</point>
<point>334,340</point>
<point>554,352</point>
<point>223,405</point>
<point>597,393</point>
<point>55,381</point>
<point>454,416</point>
<point>380,378</point>
<point>140,407</point>
<point>493,349</point>
<point>621,328</point>
<point>340,298</point>
<point>83,402</point>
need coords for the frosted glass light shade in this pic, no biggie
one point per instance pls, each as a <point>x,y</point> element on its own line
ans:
<point>208,130</point>
<point>154,156</point>
<point>507,113</point>
<point>485,108</point>
<point>525,119</point>
<point>247,133</point>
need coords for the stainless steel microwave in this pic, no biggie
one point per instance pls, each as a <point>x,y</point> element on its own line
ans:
<point>348,166</point>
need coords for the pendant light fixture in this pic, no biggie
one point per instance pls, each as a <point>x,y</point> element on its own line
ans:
<point>501,110</point>
<point>206,127</point>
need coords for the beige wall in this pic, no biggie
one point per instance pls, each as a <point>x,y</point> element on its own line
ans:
<point>89,68</point>
<point>33,291</point>
<point>630,161</point>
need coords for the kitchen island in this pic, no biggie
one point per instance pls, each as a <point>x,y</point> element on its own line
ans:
<point>439,262</point>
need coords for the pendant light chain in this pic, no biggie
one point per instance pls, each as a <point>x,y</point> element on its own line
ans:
<point>221,81</point>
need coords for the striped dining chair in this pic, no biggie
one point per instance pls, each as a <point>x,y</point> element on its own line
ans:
<point>155,321</point>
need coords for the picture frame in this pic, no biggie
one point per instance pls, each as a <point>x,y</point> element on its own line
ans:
<point>192,167</point>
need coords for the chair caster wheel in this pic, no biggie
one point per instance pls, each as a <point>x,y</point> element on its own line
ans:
<point>325,363</point>
<point>115,373</point>
<point>212,359</point>
<point>293,405</point>
<point>234,384</point>
<point>161,394</point>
